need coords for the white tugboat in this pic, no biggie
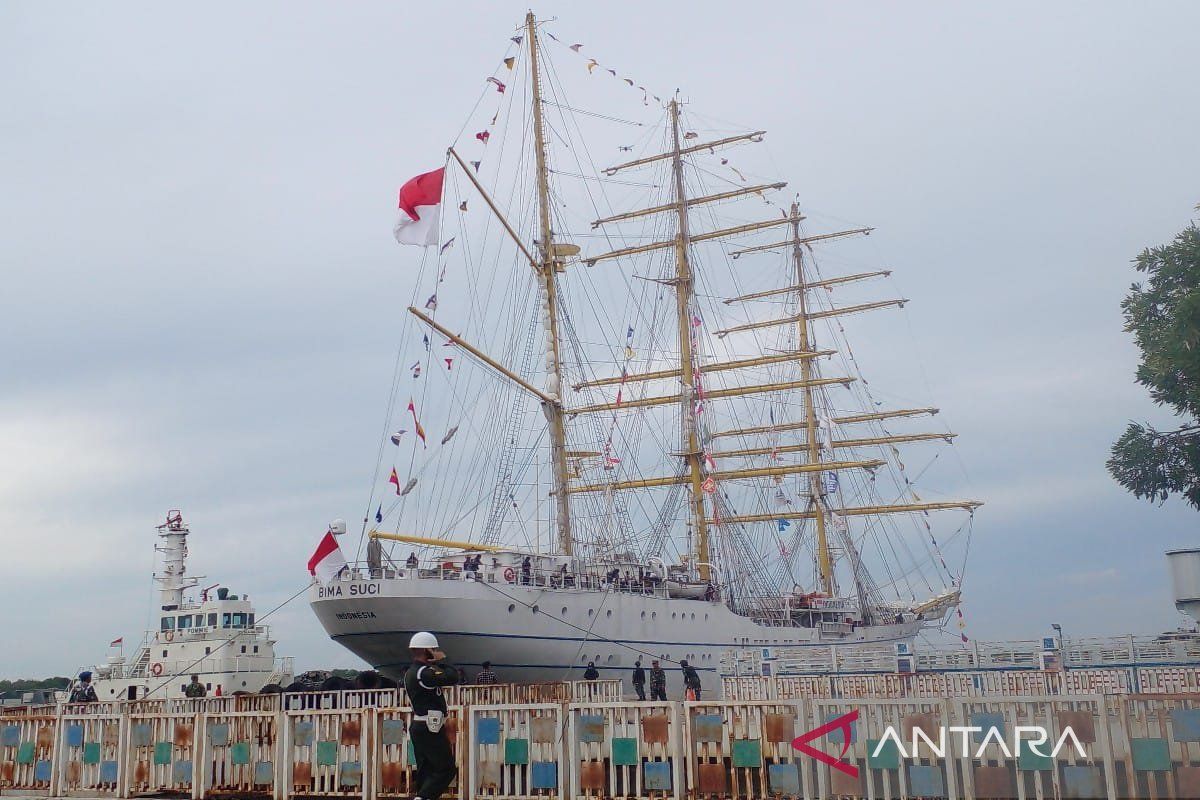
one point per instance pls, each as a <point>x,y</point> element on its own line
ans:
<point>215,637</point>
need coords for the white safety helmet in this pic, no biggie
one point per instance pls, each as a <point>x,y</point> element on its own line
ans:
<point>337,527</point>
<point>423,640</point>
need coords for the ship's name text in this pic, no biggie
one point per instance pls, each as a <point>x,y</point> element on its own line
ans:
<point>353,590</point>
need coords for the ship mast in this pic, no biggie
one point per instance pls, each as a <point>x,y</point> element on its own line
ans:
<point>816,502</point>
<point>684,291</point>
<point>547,266</point>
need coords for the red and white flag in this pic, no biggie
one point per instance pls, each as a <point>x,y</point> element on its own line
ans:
<point>116,642</point>
<point>328,561</point>
<point>420,207</point>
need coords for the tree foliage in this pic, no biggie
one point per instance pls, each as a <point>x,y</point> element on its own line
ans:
<point>1163,314</point>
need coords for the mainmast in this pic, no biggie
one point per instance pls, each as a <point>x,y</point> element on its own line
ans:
<point>684,292</point>
<point>547,266</point>
<point>816,502</point>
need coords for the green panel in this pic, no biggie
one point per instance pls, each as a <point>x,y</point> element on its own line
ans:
<point>239,753</point>
<point>25,753</point>
<point>327,753</point>
<point>91,752</point>
<point>624,751</point>
<point>412,754</point>
<point>1030,761</point>
<point>888,756</point>
<point>162,753</point>
<point>747,753</point>
<point>1150,755</point>
<point>516,751</point>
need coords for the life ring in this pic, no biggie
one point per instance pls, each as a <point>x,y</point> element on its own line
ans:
<point>169,636</point>
<point>510,574</point>
<point>156,669</point>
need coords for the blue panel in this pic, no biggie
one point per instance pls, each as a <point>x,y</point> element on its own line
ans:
<point>264,773</point>
<point>1185,724</point>
<point>658,775</point>
<point>181,772</point>
<point>351,773</point>
<point>591,728</point>
<point>925,781</point>
<point>987,722</point>
<point>487,730</point>
<point>10,736</point>
<point>41,771</point>
<point>1083,782</point>
<point>392,731</point>
<point>707,728</point>
<point>141,735</point>
<point>218,735</point>
<point>544,775</point>
<point>304,734</point>
<point>785,778</point>
<point>108,772</point>
<point>74,736</point>
<point>835,736</point>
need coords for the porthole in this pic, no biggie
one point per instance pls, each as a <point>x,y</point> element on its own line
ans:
<point>590,612</point>
<point>693,615</point>
<point>609,614</point>
<point>533,609</point>
<point>512,607</point>
<point>564,611</point>
<point>673,615</point>
<point>653,615</point>
<point>706,616</point>
<point>643,615</point>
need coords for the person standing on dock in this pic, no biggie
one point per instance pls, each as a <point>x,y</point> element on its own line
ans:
<point>691,681</point>
<point>486,676</point>
<point>431,744</point>
<point>84,692</point>
<point>658,681</point>
<point>639,680</point>
<point>195,688</point>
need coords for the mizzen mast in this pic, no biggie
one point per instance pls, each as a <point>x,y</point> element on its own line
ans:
<point>684,294</point>
<point>547,273</point>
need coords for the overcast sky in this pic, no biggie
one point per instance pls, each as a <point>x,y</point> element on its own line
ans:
<point>200,289</point>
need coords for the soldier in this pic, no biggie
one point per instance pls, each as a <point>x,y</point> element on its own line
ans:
<point>195,688</point>
<point>658,681</point>
<point>431,744</point>
<point>639,680</point>
<point>84,692</point>
<point>691,681</point>
<point>591,673</point>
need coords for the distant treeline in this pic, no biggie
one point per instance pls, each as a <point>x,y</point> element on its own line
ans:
<point>33,684</point>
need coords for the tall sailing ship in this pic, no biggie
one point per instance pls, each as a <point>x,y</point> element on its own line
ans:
<point>625,422</point>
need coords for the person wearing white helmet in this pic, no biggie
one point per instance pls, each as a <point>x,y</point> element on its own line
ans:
<point>423,682</point>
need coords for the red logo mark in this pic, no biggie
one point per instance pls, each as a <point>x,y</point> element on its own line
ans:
<point>842,724</point>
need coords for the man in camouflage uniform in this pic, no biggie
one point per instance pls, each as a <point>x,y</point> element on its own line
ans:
<point>195,688</point>
<point>658,681</point>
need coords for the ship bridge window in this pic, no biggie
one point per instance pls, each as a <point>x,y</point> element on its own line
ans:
<point>249,620</point>
<point>233,620</point>
<point>168,623</point>
<point>212,620</point>
<point>185,622</point>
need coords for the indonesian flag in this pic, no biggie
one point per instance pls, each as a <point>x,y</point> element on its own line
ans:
<point>328,561</point>
<point>116,641</point>
<point>420,207</point>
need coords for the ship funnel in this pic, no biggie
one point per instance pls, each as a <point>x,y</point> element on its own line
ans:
<point>1185,579</point>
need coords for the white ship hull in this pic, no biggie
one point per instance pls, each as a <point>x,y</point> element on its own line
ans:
<point>477,622</point>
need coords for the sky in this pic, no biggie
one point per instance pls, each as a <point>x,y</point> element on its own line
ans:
<point>201,293</point>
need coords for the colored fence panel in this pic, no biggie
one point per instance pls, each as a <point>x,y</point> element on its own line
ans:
<point>88,758</point>
<point>514,751</point>
<point>241,755</point>
<point>27,754</point>
<point>324,752</point>
<point>1156,742</point>
<point>743,748</point>
<point>1030,747</point>
<point>881,748</point>
<point>160,753</point>
<point>628,750</point>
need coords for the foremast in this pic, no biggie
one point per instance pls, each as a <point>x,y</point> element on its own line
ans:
<point>684,297</point>
<point>547,274</point>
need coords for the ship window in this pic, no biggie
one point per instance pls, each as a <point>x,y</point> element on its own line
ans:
<point>243,648</point>
<point>591,611</point>
<point>208,651</point>
<point>609,614</point>
<point>643,615</point>
<point>564,611</point>
<point>653,615</point>
<point>212,620</point>
<point>239,620</point>
<point>511,607</point>
<point>225,620</point>
<point>168,623</point>
<point>534,609</point>
<point>164,653</point>
<point>673,615</point>
<point>249,620</point>
<point>185,622</point>
<point>256,648</point>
